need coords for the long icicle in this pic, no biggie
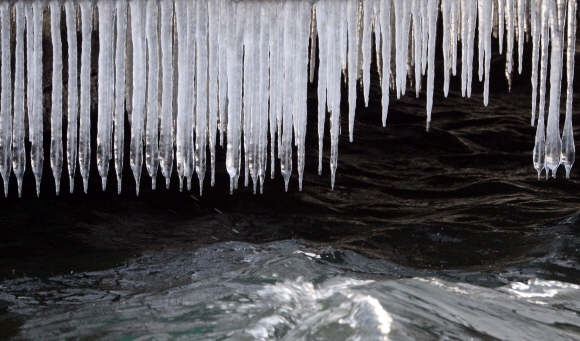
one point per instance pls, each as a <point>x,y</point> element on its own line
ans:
<point>18,151</point>
<point>6,97</point>
<point>35,108</point>
<point>201,112</point>
<point>85,89</point>
<point>139,89</point>
<point>152,106</point>
<point>105,90</point>
<point>166,115</point>
<point>568,147</point>
<point>56,115</point>
<point>120,71</point>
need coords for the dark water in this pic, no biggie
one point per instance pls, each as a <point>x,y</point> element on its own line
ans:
<point>439,235</point>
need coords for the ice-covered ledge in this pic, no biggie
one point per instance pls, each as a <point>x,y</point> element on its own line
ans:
<point>238,71</point>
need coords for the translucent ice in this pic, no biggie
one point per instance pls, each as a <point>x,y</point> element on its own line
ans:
<point>189,72</point>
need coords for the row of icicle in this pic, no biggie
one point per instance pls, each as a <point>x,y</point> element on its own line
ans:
<point>190,72</point>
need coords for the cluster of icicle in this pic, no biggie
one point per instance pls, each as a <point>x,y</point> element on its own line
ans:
<point>189,72</point>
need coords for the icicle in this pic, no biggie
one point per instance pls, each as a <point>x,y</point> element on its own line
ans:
<point>321,18</point>
<point>56,116</point>
<point>6,97</point>
<point>343,39</point>
<point>289,82</point>
<point>201,116</point>
<point>313,36</point>
<point>276,80</point>
<point>249,95</point>
<point>544,29</point>
<point>432,18</point>
<point>468,18</point>
<point>568,149</point>
<point>501,20</point>
<point>521,8</point>
<point>553,140</point>
<point>106,89</point>
<point>385,34</point>
<point>446,12</point>
<point>85,89</point>
<point>152,106</point>
<point>509,18</point>
<point>234,72</point>
<point>120,71</point>
<point>35,109</point>
<point>536,16</point>
<point>139,89</point>
<point>213,22</point>
<point>454,28</point>
<point>301,81</point>
<point>485,28</point>
<point>166,118</point>
<point>402,17</point>
<point>18,151</point>
<point>539,154</point>
<point>264,92</point>
<point>417,35</point>
<point>223,67</point>
<point>352,19</point>
<point>481,14</point>
<point>425,37</point>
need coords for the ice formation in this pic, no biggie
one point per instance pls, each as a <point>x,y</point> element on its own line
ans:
<point>191,72</point>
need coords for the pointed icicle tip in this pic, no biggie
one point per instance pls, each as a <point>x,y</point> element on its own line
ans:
<point>104,183</point>
<point>85,184</point>
<point>286,181</point>
<point>568,172</point>
<point>181,183</point>
<point>119,183</point>
<point>153,183</point>
<point>167,182</point>
<point>189,183</point>
<point>200,188</point>
<point>72,185</point>
<point>38,189</point>
<point>57,185</point>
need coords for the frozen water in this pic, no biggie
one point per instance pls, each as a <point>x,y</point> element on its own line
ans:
<point>188,71</point>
